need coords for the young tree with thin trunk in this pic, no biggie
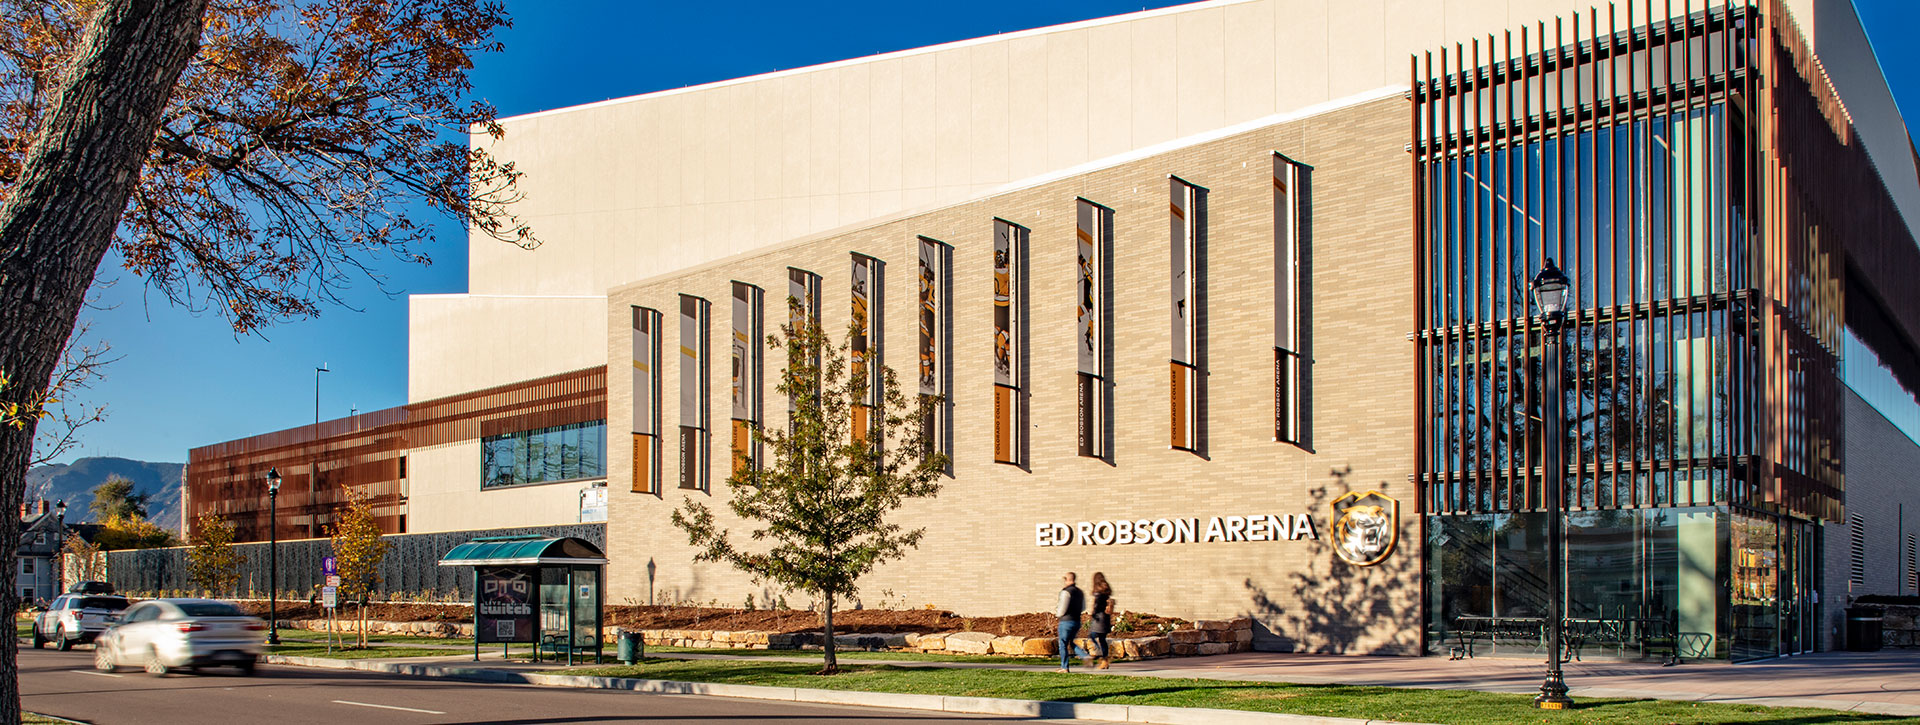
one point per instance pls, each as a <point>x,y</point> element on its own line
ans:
<point>358,549</point>
<point>85,561</point>
<point>824,498</point>
<point>246,157</point>
<point>213,564</point>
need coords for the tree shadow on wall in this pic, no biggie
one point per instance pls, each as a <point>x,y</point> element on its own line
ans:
<point>1330,606</point>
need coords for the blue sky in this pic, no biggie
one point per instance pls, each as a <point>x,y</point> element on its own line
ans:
<point>184,380</point>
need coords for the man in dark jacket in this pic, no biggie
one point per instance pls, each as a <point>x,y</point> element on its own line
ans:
<point>1072,604</point>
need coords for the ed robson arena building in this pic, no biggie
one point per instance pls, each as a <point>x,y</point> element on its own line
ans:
<point>1228,301</point>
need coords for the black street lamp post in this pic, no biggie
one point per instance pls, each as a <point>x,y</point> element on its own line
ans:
<point>1550,294</point>
<point>273,556</point>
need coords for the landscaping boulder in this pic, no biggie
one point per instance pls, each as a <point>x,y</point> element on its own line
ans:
<point>1038,646</point>
<point>1151,646</point>
<point>1243,623</point>
<point>1214,648</point>
<point>1187,636</point>
<point>1186,650</point>
<point>931,642</point>
<point>1009,645</point>
<point>973,643</point>
<point>1213,625</point>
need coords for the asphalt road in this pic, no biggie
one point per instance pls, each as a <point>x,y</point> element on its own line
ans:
<point>65,684</point>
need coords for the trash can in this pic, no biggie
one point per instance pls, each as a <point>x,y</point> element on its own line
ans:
<point>631,648</point>
<point>1863,629</point>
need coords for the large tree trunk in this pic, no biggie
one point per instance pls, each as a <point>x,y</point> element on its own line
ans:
<point>60,219</point>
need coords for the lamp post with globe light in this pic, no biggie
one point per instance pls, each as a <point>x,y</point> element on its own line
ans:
<point>273,556</point>
<point>1550,295</point>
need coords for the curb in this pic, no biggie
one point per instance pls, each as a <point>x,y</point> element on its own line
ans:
<point>937,703</point>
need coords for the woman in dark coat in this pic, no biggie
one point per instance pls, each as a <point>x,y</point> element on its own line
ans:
<point>1100,621</point>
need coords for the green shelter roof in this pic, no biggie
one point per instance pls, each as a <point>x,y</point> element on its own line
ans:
<point>523,551</point>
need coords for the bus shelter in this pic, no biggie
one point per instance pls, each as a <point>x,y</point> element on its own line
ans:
<point>544,592</point>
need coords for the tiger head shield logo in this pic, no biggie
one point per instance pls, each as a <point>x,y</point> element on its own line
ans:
<point>1365,526</point>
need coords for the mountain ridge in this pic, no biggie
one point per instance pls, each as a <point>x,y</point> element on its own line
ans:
<point>74,483</point>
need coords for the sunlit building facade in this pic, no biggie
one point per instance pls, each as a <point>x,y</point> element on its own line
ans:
<point>1229,301</point>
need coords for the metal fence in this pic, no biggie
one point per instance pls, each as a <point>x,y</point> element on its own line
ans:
<point>409,570</point>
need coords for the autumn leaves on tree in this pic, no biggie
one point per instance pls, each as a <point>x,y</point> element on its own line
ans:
<point>213,564</point>
<point>247,158</point>
<point>358,550</point>
<point>816,515</point>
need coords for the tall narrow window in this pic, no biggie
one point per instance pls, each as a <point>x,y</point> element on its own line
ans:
<point>747,350</point>
<point>869,276</point>
<point>646,400</point>
<point>1091,324</point>
<point>694,390</point>
<point>1009,342</point>
<point>803,309</point>
<point>1287,363</point>
<point>936,345</point>
<point>1185,209</point>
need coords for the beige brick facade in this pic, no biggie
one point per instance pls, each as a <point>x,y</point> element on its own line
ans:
<point>979,556</point>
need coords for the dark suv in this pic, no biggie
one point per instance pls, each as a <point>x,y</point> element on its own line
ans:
<point>76,618</point>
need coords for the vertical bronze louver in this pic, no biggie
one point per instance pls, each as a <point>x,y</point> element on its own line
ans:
<point>1697,178</point>
<point>367,453</point>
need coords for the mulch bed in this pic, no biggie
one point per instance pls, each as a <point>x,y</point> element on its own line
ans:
<point>379,611</point>
<point>846,621</point>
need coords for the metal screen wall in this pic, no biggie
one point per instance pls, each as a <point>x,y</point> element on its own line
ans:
<point>1707,297</point>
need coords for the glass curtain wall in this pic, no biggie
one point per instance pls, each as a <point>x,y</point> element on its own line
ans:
<point>1629,159</point>
<point>571,452</point>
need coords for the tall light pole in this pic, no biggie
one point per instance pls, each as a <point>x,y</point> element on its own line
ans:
<point>316,396</point>
<point>59,547</point>
<point>273,556</point>
<point>313,464</point>
<point>1550,295</point>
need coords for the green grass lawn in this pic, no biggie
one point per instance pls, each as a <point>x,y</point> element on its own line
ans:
<point>319,649</point>
<point>1413,705</point>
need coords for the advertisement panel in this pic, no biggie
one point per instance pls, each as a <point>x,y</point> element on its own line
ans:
<point>868,277</point>
<point>744,382</point>
<point>1286,300</point>
<point>1090,326</point>
<point>1009,342</point>
<point>1183,398</point>
<point>503,605</point>
<point>646,389</point>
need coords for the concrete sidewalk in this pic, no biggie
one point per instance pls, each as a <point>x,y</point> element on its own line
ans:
<point>1885,682</point>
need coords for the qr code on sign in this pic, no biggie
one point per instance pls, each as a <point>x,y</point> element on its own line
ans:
<point>503,629</point>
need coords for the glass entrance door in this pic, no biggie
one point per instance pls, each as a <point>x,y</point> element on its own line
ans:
<point>1800,613</point>
<point>1791,594</point>
<point>1755,599</point>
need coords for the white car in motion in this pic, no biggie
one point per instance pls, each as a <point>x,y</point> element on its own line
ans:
<point>163,635</point>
